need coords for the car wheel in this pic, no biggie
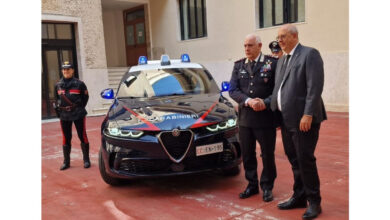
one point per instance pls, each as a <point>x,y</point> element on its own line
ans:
<point>108,179</point>
<point>231,171</point>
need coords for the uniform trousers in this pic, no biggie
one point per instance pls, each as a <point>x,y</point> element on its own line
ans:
<point>299,148</point>
<point>66,127</point>
<point>266,138</point>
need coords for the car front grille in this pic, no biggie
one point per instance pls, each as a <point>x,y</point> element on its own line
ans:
<point>176,146</point>
<point>156,166</point>
<point>144,166</point>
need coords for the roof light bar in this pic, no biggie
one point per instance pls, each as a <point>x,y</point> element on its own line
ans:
<point>165,60</point>
<point>142,60</point>
<point>185,58</point>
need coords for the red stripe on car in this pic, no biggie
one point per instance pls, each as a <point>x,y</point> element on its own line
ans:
<point>198,122</point>
<point>151,127</point>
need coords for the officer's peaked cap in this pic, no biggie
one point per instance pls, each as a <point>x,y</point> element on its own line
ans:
<point>67,65</point>
<point>274,46</point>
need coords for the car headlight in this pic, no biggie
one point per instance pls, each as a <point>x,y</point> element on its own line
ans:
<point>223,125</point>
<point>117,132</point>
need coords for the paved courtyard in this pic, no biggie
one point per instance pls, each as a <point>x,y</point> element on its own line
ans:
<point>79,193</point>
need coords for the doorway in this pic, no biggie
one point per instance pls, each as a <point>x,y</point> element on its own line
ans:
<point>135,35</point>
<point>58,45</point>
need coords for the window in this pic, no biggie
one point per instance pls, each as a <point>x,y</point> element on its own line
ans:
<point>192,19</point>
<point>278,12</point>
<point>57,31</point>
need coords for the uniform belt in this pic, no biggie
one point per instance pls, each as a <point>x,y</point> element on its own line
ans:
<point>68,108</point>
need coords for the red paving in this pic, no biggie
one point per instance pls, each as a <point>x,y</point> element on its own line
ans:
<point>79,193</point>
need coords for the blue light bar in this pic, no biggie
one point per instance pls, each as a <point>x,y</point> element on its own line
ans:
<point>107,94</point>
<point>142,60</point>
<point>185,58</point>
<point>165,60</point>
<point>225,86</point>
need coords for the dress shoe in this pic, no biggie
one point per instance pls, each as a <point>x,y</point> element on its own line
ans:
<point>293,203</point>
<point>249,192</point>
<point>312,211</point>
<point>267,196</point>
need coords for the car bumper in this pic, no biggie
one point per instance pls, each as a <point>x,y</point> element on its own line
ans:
<point>127,159</point>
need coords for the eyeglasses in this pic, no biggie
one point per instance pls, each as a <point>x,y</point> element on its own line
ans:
<point>281,37</point>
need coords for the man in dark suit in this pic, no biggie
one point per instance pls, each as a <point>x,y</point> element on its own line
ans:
<point>251,86</point>
<point>297,96</point>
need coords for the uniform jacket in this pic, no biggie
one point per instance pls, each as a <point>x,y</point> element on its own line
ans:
<point>76,91</point>
<point>259,82</point>
<point>302,87</point>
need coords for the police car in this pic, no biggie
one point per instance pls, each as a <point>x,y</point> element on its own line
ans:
<point>168,117</point>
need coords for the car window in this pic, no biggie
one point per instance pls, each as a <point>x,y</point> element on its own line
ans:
<point>167,82</point>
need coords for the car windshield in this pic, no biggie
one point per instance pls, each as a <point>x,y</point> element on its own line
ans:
<point>166,82</point>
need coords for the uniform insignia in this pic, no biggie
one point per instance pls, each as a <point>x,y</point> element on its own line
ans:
<point>265,80</point>
<point>266,67</point>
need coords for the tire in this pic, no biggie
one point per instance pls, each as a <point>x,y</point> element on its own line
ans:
<point>108,179</point>
<point>234,171</point>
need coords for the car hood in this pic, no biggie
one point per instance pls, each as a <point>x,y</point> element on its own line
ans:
<point>167,113</point>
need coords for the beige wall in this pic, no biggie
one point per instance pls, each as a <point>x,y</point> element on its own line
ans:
<point>91,55</point>
<point>90,12</point>
<point>228,21</point>
<point>115,37</point>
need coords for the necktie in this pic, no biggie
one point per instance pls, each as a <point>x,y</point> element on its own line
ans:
<point>252,64</point>
<point>274,101</point>
<point>284,67</point>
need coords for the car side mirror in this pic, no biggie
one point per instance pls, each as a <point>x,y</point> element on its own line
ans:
<point>107,94</point>
<point>225,86</point>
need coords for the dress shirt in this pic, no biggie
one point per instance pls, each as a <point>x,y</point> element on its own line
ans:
<point>291,55</point>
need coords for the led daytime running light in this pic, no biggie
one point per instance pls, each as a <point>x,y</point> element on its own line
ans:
<point>124,133</point>
<point>223,125</point>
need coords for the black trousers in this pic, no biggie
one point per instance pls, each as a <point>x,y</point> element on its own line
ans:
<point>66,127</point>
<point>299,148</point>
<point>267,138</point>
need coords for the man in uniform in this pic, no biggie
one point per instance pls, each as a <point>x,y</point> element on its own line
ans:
<point>71,98</point>
<point>251,86</point>
<point>275,49</point>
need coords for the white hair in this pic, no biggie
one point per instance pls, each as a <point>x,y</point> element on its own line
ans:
<point>257,37</point>
<point>291,29</point>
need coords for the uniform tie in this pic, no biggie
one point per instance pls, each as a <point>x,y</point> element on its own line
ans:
<point>252,64</point>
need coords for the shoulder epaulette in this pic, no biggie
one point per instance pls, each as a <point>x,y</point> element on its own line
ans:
<point>269,57</point>
<point>240,60</point>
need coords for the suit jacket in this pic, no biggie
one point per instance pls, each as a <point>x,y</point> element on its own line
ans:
<point>247,83</point>
<point>302,87</point>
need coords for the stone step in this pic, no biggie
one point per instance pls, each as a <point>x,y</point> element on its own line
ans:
<point>107,105</point>
<point>118,71</point>
<point>100,111</point>
<point>115,75</point>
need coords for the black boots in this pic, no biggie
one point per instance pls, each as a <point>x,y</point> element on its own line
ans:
<point>66,151</point>
<point>85,149</point>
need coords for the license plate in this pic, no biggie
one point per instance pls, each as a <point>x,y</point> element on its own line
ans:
<point>209,149</point>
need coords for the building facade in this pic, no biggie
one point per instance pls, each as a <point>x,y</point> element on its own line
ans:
<point>104,37</point>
